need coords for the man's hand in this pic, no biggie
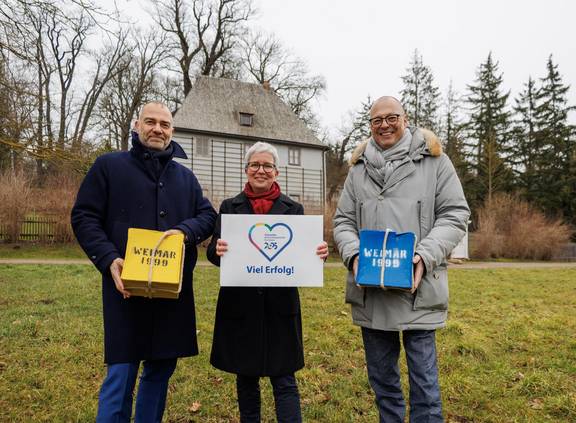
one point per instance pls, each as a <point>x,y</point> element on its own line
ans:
<point>418,271</point>
<point>322,250</point>
<point>355,266</point>
<point>116,271</point>
<point>221,247</point>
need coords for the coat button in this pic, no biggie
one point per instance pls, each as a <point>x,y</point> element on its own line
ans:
<point>161,184</point>
<point>146,155</point>
<point>436,275</point>
<point>163,213</point>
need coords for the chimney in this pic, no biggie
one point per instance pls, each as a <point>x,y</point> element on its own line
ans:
<point>266,85</point>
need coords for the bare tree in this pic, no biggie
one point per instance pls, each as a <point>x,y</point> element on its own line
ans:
<point>109,63</point>
<point>204,33</point>
<point>17,105</point>
<point>354,131</point>
<point>48,38</point>
<point>267,60</point>
<point>131,86</point>
<point>66,44</point>
<point>168,89</point>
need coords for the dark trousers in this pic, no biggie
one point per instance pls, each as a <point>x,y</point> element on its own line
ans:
<point>116,394</point>
<point>382,350</point>
<point>286,398</point>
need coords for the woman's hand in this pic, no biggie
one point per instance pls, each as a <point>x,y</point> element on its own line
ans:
<point>322,250</point>
<point>221,247</point>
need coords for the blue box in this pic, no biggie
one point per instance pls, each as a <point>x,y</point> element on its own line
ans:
<point>398,271</point>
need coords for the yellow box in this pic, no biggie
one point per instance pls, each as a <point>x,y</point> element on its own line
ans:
<point>153,265</point>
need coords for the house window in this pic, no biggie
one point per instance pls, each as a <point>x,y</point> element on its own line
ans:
<point>246,119</point>
<point>202,146</point>
<point>294,156</point>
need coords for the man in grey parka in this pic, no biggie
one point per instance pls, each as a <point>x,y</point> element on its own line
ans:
<point>399,179</point>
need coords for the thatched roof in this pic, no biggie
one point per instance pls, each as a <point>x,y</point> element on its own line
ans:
<point>214,105</point>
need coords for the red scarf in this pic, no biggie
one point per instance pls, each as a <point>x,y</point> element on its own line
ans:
<point>262,203</point>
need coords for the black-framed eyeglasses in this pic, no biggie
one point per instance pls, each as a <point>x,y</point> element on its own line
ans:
<point>255,167</point>
<point>390,120</point>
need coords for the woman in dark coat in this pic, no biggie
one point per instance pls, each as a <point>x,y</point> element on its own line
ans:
<point>258,331</point>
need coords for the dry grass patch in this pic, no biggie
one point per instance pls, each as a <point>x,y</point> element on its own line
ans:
<point>509,227</point>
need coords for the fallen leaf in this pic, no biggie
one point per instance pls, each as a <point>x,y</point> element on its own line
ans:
<point>536,404</point>
<point>217,380</point>
<point>519,376</point>
<point>322,397</point>
<point>194,407</point>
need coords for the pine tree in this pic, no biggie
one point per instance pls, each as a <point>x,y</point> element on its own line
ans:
<point>452,134</point>
<point>420,97</point>
<point>527,143</point>
<point>488,131</point>
<point>556,144</point>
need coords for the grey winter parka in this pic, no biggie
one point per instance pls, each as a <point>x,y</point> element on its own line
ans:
<point>423,195</point>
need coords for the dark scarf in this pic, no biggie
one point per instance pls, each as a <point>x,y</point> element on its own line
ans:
<point>262,203</point>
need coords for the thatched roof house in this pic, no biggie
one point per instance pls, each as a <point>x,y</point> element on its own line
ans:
<point>220,118</point>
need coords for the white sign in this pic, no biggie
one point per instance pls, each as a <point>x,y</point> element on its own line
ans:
<point>271,250</point>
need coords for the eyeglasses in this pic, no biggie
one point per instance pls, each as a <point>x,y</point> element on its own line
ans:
<point>390,120</point>
<point>255,167</point>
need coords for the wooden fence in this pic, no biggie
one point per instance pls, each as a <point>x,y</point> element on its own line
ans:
<point>32,228</point>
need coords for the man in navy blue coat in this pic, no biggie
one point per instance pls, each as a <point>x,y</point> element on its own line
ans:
<point>141,188</point>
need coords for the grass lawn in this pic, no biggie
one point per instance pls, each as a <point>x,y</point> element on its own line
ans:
<point>31,250</point>
<point>507,355</point>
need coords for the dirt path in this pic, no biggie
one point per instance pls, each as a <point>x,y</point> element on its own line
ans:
<point>464,265</point>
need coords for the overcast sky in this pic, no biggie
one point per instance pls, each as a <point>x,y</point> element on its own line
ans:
<point>363,47</point>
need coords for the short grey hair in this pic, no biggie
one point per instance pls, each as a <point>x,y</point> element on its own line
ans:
<point>262,147</point>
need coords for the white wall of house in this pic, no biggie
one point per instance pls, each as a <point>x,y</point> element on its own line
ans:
<point>310,158</point>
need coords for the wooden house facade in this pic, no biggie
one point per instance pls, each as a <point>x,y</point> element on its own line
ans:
<point>221,118</point>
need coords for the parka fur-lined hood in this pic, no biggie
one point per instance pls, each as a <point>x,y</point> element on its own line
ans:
<point>433,144</point>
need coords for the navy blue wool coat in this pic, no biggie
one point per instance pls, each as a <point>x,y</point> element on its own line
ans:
<point>131,190</point>
<point>257,331</point>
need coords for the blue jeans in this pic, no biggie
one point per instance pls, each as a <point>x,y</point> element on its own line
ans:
<point>286,398</point>
<point>116,394</point>
<point>382,350</point>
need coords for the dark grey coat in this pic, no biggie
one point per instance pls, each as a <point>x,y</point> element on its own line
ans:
<point>423,195</point>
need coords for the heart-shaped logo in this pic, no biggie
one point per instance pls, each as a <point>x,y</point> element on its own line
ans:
<point>270,240</point>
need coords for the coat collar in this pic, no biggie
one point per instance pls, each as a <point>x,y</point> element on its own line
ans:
<point>242,205</point>
<point>139,149</point>
<point>424,142</point>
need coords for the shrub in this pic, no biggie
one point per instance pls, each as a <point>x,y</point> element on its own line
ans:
<point>15,194</point>
<point>55,199</point>
<point>509,227</point>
